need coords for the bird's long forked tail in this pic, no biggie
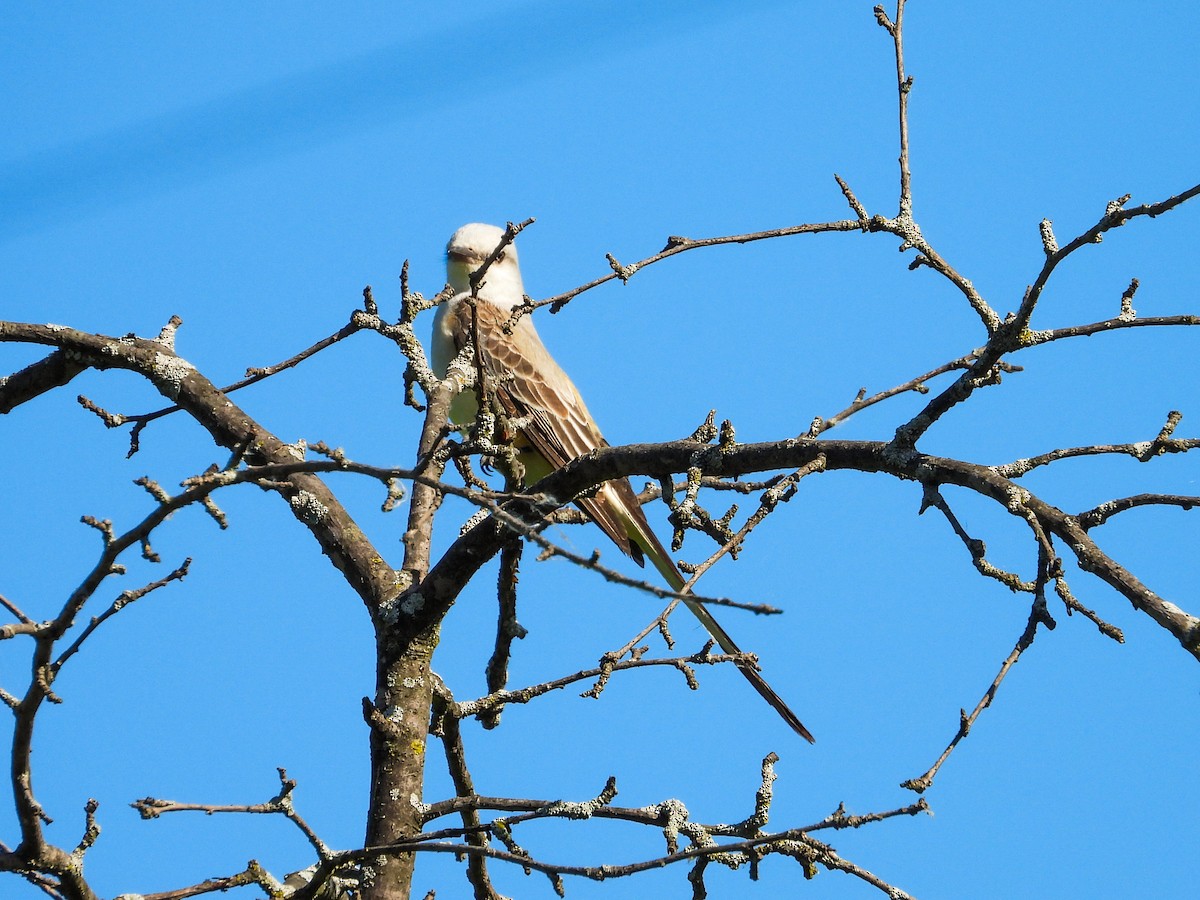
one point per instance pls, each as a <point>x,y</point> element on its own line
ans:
<point>700,611</point>
<point>662,561</point>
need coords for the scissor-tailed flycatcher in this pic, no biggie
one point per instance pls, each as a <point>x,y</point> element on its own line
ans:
<point>531,388</point>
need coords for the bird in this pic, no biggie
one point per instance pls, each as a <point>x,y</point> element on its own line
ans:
<point>553,425</point>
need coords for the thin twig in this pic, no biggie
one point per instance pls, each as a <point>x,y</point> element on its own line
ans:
<point>1037,615</point>
<point>1098,515</point>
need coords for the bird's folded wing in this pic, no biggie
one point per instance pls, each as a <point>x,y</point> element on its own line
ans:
<point>529,385</point>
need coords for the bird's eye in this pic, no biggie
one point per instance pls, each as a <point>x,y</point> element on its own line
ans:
<point>503,253</point>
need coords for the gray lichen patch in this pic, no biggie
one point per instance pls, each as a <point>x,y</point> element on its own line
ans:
<point>168,373</point>
<point>308,508</point>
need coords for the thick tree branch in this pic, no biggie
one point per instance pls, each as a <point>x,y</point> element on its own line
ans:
<point>310,501</point>
<point>483,541</point>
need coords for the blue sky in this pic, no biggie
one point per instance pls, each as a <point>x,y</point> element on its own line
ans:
<point>251,167</point>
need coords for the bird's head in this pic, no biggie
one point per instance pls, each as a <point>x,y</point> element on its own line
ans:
<point>465,253</point>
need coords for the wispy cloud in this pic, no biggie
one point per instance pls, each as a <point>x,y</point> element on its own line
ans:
<point>466,64</point>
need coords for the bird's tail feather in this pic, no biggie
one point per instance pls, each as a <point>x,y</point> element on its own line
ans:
<point>650,544</point>
<point>721,636</point>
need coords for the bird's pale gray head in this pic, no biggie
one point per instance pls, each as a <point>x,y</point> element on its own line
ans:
<point>465,253</point>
